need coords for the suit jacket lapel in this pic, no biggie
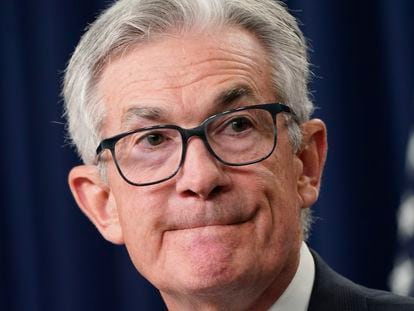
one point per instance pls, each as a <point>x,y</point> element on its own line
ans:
<point>332,292</point>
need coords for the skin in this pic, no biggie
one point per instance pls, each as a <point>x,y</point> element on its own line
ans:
<point>213,237</point>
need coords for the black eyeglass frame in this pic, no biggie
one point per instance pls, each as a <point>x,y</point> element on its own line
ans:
<point>199,131</point>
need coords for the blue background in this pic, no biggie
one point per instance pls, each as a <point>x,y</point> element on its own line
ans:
<point>51,256</point>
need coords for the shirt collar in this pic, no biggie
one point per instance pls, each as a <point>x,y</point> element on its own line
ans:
<point>297,295</point>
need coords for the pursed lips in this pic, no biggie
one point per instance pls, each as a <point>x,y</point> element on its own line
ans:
<point>214,221</point>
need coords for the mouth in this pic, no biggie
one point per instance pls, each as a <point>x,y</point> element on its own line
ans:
<point>215,221</point>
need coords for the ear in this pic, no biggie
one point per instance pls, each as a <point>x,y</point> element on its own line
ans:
<point>312,155</point>
<point>94,198</point>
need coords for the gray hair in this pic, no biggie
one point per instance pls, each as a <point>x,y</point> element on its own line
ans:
<point>128,22</point>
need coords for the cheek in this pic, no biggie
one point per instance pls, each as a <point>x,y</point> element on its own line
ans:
<point>141,219</point>
<point>280,175</point>
<point>280,212</point>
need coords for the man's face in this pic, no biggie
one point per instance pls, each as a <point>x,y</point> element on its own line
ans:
<point>211,227</point>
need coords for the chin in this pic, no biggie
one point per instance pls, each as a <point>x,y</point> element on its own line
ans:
<point>210,277</point>
<point>210,284</point>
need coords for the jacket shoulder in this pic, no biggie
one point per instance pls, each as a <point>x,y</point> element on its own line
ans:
<point>382,301</point>
<point>332,291</point>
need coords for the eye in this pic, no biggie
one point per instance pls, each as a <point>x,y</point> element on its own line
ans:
<point>240,124</point>
<point>154,139</point>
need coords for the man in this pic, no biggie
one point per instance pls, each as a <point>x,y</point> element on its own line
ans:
<point>192,119</point>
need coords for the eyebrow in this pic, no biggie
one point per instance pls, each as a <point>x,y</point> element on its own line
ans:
<point>148,113</point>
<point>222,102</point>
<point>228,97</point>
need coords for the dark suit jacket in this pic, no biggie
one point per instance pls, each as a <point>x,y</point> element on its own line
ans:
<point>332,292</point>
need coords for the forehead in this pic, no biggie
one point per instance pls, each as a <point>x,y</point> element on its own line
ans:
<point>181,76</point>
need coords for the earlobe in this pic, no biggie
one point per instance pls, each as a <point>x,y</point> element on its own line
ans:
<point>312,156</point>
<point>94,198</point>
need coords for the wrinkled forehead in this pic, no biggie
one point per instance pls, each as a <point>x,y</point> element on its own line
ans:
<point>184,75</point>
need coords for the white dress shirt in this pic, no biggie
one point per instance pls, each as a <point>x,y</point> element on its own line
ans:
<point>297,295</point>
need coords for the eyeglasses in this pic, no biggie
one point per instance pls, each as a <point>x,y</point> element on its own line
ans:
<point>154,154</point>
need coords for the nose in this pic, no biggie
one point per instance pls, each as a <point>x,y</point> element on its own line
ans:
<point>201,175</point>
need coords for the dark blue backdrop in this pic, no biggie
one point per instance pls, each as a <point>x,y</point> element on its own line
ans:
<point>52,258</point>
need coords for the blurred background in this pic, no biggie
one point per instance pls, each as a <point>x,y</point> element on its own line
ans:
<point>51,256</point>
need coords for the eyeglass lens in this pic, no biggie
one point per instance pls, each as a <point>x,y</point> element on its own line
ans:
<point>240,137</point>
